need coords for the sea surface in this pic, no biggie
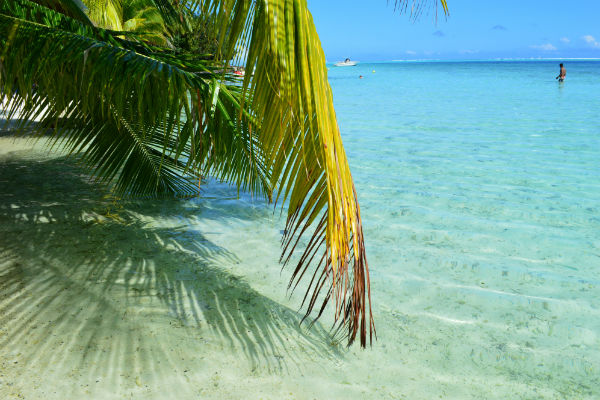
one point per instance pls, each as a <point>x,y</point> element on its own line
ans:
<point>479,186</point>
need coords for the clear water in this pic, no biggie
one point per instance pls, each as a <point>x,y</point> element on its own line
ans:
<point>479,185</point>
<point>480,189</point>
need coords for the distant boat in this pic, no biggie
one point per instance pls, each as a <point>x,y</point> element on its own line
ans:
<point>346,63</point>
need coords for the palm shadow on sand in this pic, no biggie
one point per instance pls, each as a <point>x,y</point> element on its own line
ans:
<point>96,296</point>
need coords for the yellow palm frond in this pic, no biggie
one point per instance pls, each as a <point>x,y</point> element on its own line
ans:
<point>286,79</point>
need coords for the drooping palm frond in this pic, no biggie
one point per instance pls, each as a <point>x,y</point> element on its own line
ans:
<point>286,81</point>
<point>144,120</point>
<point>293,103</point>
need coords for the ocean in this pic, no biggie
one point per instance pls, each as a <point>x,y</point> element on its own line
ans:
<point>479,187</point>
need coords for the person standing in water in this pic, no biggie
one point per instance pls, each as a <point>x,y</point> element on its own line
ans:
<point>563,73</point>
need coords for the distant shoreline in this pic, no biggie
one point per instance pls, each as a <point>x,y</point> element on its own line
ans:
<point>476,60</point>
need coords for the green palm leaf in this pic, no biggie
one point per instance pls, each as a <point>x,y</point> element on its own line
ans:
<point>133,116</point>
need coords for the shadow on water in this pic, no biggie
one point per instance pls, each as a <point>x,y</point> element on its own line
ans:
<point>113,298</point>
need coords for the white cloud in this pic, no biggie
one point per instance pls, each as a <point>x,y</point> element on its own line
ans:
<point>544,47</point>
<point>565,40</point>
<point>589,39</point>
<point>410,52</point>
<point>469,51</point>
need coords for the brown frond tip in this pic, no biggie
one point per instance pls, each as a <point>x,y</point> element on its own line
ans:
<point>348,283</point>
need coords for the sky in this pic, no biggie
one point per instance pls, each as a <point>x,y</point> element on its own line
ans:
<point>370,30</point>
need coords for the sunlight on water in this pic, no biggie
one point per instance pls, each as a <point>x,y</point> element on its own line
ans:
<point>479,186</point>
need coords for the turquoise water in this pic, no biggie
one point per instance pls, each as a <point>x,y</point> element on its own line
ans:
<point>480,192</point>
<point>480,188</point>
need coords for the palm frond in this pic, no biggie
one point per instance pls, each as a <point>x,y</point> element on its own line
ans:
<point>135,118</point>
<point>286,81</point>
<point>286,78</point>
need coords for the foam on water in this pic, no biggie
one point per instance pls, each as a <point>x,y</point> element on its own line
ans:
<point>480,192</point>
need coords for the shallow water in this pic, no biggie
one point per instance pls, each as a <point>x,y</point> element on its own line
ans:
<point>480,192</point>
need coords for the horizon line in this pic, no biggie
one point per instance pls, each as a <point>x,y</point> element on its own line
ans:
<point>481,59</point>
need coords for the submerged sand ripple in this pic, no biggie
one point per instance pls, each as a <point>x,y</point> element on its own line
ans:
<point>185,299</point>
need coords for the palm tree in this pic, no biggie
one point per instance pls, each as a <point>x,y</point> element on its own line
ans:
<point>150,122</point>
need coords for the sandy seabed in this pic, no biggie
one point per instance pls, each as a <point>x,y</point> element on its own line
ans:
<point>108,298</point>
<point>104,298</point>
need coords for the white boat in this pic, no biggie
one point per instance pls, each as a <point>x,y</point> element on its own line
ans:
<point>346,63</point>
